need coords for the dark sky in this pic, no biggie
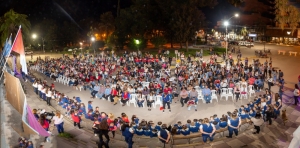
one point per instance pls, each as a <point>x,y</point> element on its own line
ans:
<point>61,9</point>
<point>82,9</point>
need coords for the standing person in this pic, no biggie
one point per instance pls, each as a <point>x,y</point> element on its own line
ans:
<point>44,123</point>
<point>233,124</point>
<point>128,133</point>
<point>269,113</point>
<point>207,94</point>
<point>183,96</point>
<point>237,92</point>
<point>166,100</point>
<point>48,95</point>
<point>59,122</point>
<point>76,118</point>
<point>296,94</point>
<point>270,82</point>
<point>103,131</point>
<point>257,122</point>
<point>208,130</point>
<point>164,135</point>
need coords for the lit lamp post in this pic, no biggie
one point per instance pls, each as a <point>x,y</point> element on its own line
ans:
<point>80,46</point>
<point>226,23</point>
<point>93,39</point>
<point>137,42</point>
<point>34,36</point>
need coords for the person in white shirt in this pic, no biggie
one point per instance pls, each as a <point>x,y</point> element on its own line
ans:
<point>40,87</point>
<point>48,95</point>
<point>35,87</point>
<point>59,122</point>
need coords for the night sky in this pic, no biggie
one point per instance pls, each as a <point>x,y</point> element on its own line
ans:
<point>61,9</point>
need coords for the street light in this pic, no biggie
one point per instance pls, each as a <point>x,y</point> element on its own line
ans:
<point>34,36</point>
<point>80,46</point>
<point>226,23</point>
<point>137,42</point>
<point>93,39</point>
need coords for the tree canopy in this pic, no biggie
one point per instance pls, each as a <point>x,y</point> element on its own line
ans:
<point>10,23</point>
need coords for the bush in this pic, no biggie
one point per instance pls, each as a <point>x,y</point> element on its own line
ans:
<point>65,135</point>
<point>158,41</point>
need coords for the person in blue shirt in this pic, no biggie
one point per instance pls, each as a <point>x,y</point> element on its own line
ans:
<point>223,123</point>
<point>244,115</point>
<point>107,93</point>
<point>206,94</point>
<point>197,123</point>
<point>216,124</point>
<point>178,125</point>
<point>90,107</point>
<point>147,131</point>
<point>175,130</point>
<point>247,108</point>
<point>128,133</point>
<point>258,84</point>
<point>95,90</point>
<point>166,100</point>
<point>164,135</point>
<point>158,126</point>
<point>216,118</point>
<point>208,130</point>
<point>193,128</point>
<point>252,113</point>
<point>185,130</point>
<point>153,133</point>
<point>139,131</point>
<point>233,125</point>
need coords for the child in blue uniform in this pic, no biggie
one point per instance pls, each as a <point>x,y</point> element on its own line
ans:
<point>193,128</point>
<point>185,130</point>
<point>139,131</point>
<point>223,123</point>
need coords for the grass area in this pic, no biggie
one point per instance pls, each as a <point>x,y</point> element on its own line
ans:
<point>65,135</point>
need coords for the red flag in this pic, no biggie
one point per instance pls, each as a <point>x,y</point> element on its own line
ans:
<point>18,47</point>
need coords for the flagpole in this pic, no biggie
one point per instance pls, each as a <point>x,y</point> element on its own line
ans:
<point>4,66</point>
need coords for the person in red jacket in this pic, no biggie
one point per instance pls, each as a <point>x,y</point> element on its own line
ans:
<point>44,123</point>
<point>76,118</point>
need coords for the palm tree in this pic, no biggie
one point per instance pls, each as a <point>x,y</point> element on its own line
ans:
<point>10,23</point>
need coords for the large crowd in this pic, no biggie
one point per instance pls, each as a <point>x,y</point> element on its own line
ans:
<point>149,81</point>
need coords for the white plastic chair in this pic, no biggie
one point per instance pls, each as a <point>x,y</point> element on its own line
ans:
<point>251,90</point>
<point>158,101</point>
<point>224,92</point>
<point>58,79</point>
<point>132,99</point>
<point>200,97</point>
<point>230,93</point>
<point>79,87</point>
<point>66,81</point>
<point>214,95</point>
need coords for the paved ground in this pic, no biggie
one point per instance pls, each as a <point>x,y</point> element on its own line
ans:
<point>276,135</point>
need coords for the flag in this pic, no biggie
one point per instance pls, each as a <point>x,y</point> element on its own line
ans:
<point>18,47</point>
<point>7,48</point>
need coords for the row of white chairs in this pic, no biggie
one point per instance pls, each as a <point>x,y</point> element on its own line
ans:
<point>133,100</point>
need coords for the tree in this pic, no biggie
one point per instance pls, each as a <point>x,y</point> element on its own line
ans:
<point>244,31</point>
<point>187,19</point>
<point>235,3</point>
<point>47,31</point>
<point>286,14</point>
<point>158,41</point>
<point>10,23</point>
<point>107,23</point>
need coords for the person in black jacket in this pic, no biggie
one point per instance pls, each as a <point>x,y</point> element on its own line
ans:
<point>103,131</point>
<point>269,114</point>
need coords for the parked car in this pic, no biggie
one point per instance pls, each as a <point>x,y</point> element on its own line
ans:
<point>28,52</point>
<point>249,44</point>
<point>70,49</point>
<point>242,43</point>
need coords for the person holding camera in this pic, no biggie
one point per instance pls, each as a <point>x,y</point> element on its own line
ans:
<point>164,135</point>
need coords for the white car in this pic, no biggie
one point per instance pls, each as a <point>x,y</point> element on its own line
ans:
<point>70,49</point>
<point>28,52</point>
<point>249,44</point>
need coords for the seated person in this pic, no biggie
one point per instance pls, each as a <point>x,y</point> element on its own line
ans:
<point>185,130</point>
